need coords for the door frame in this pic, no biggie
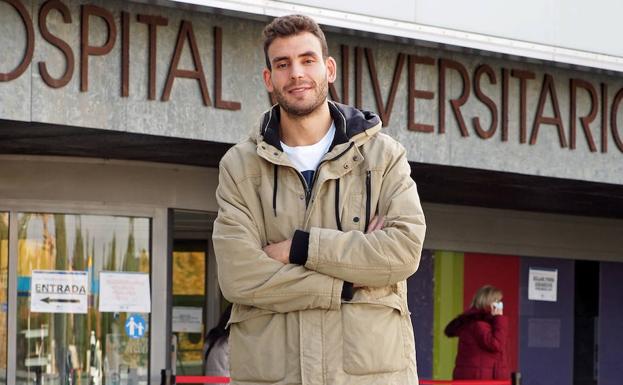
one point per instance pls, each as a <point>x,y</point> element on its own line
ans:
<point>159,216</point>
<point>212,309</point>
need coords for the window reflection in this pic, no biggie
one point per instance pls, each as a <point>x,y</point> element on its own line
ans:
<point>4,264</point>
<point>59,341</point>
<point>189,272</point>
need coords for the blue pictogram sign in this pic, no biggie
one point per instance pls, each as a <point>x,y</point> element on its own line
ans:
<point>135,326</point>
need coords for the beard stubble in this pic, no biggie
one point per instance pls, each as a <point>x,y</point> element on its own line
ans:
<point>300,111</point>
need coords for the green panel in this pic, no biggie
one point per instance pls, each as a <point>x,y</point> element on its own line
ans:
<point>448,304</point>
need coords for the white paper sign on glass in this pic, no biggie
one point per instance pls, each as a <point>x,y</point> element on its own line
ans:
<point>124,292</point>
<point>187,319</point>
<point>543,284</point>
<point>59,291</point>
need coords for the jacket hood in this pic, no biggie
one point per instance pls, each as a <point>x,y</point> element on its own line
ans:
<point>463,320</point>
<point>349,121</point>
<point>351,125</point>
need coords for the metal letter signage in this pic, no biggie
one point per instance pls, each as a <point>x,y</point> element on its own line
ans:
<point>439,96</point>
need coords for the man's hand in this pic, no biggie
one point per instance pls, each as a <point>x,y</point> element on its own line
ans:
<point>377,223</point>
<point>279,251</point>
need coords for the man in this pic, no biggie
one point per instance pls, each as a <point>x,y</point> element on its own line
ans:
<point>319,226</point>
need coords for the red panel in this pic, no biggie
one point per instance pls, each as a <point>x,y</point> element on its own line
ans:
<point>501,271</point>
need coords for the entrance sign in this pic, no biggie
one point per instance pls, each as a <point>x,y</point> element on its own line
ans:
<point>124,292</point>
<point>187,319</point>
<point>59,291</point>
<point>543,285</point>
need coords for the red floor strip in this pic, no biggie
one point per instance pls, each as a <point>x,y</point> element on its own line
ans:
<point>465,382</point>
<point>201,380</point>
<point>226,380</point>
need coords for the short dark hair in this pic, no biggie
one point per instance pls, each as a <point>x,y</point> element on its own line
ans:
<point>291,25</point>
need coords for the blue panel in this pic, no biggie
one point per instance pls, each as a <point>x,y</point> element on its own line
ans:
<point>610,320</point>
<point>546,328</point>
<point>420,291</point>
<point>23,283</point>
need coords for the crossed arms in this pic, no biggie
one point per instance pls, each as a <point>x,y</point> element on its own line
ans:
<point>263,276</point>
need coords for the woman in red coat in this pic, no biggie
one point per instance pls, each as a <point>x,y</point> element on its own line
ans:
<point>482,332</point>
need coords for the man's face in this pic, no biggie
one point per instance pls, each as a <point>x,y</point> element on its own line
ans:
<point>299,76</point>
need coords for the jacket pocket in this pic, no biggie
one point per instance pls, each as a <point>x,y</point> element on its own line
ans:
<point>258,348</point>
<point>354,218</point>
<point>374,338</point>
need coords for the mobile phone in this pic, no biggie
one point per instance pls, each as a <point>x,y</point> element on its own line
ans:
<point>499,305</point>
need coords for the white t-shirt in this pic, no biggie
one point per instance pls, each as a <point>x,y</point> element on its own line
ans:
<point>307,158</point>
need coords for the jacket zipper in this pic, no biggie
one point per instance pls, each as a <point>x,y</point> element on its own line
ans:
<point>305,187</point>
<point>368,198</point>
<point>308,188</point>
<point>338,156</point>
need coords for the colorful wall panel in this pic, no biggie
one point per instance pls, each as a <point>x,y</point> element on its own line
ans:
<point>420,291</point>
<point>610,324</point>
<point>546,328</point>
<point>541,343</point>
<point>503,273</point>
<point>448,304</point>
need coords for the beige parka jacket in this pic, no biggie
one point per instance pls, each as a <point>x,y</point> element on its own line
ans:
<point>302,322</point>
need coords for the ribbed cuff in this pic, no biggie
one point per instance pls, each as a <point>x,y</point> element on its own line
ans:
<point>299,247</point>
<point>347,291</point>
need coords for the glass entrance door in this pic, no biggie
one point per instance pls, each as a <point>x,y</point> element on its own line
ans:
<point>83,305</point>
<point>196,300</point>
<point>189,288</point>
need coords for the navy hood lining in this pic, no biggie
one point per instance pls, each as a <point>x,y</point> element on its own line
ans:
<point>349,121</point>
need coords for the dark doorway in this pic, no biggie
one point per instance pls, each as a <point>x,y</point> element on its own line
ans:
<point>195,298</point>
<point>585,325</point>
